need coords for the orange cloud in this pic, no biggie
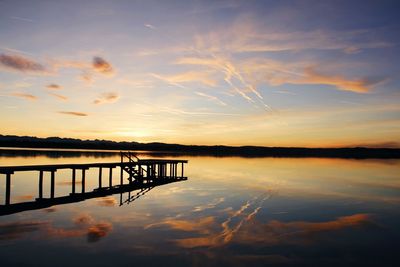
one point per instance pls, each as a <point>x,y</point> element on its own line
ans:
<point>298,232</point>
<point>250,231</point>
<point>21,64</point>
<point>106,98</point>
<point>84,226</point>
<point>53,86</point>
<point>25,96</point>
<point>73,113</point>
<point>106,201</point>
<point>98,231</point>
<point>341,83</point>
<point>277,73</point>
<point>102,66</point>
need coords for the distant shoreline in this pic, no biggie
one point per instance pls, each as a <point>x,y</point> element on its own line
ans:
<point>104,146</point>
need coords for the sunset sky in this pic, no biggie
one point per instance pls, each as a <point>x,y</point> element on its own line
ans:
<point>273,73</point>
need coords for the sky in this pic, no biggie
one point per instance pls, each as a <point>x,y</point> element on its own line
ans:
<point>270,73</point>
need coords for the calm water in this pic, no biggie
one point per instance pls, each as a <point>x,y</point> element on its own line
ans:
<point>230,212</point>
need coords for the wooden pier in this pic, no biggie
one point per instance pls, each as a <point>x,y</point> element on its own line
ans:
<point>141,174</point>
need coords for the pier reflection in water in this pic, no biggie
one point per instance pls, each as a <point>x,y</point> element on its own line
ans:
<point>231,212</point>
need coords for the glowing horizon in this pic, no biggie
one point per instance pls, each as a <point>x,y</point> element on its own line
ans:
<point>268,73</point>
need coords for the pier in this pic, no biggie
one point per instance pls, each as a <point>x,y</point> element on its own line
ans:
<point>134,174</point>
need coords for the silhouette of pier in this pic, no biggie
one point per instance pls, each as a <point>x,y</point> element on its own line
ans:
<point>142,174</point>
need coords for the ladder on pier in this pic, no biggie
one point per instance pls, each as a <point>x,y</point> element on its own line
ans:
<point>135,170</point>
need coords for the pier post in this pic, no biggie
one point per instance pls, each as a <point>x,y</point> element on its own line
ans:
<point>73,180</point>
<point>100,176</point>
<point>52,178</point>
<point>8,188</point>
<point>40,184</point>
<point>182,170</point>
<point>121,181</point>
<point>110,178</point>
<point>83,180</point>
<point>175,170</point>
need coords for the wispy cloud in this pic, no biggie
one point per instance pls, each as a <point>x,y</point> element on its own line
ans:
<point>212,98</point>
<point>22,19</point>
<point>211,205</point>
<point>60,97</point>
<point>106,98</point>
<point>25,96</point>
<point>21,64</point>
<point>204,77</point>
<point>230,74</point>
<point>176,111</point>
<point>13,50</point>
<point>200,225</point>
<point>73,113</point>
<point>245,35</point>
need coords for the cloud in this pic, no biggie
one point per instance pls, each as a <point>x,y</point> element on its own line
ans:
<point>341,83</point>
<point>15,230</point>
<point>22,19</point>
<point>85,225</point>
<point>204,77</point>
<point>83,219</point>
<point>212,98</point>
<point>199,225</point>
<point>298,232</point>
<point>277,73</point>
<point>245,35</point>
<point>61,97</point>
<point>102,66</point>
<point>87,77</point>
<point>106,202</point>
<point>73,113</point>
<point>53,86</point>
<point>106,98</point>
<point>61,232</point>
<point>98,231</point>
<point>150,26</point>
<point>25,96</point>
<point>50,210</point>
<point>21,64</point>
<point>211,205</point>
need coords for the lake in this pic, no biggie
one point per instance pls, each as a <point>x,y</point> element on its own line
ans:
<point>231,211</point>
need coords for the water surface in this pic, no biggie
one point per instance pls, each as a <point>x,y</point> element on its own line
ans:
<point>230,212</point>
